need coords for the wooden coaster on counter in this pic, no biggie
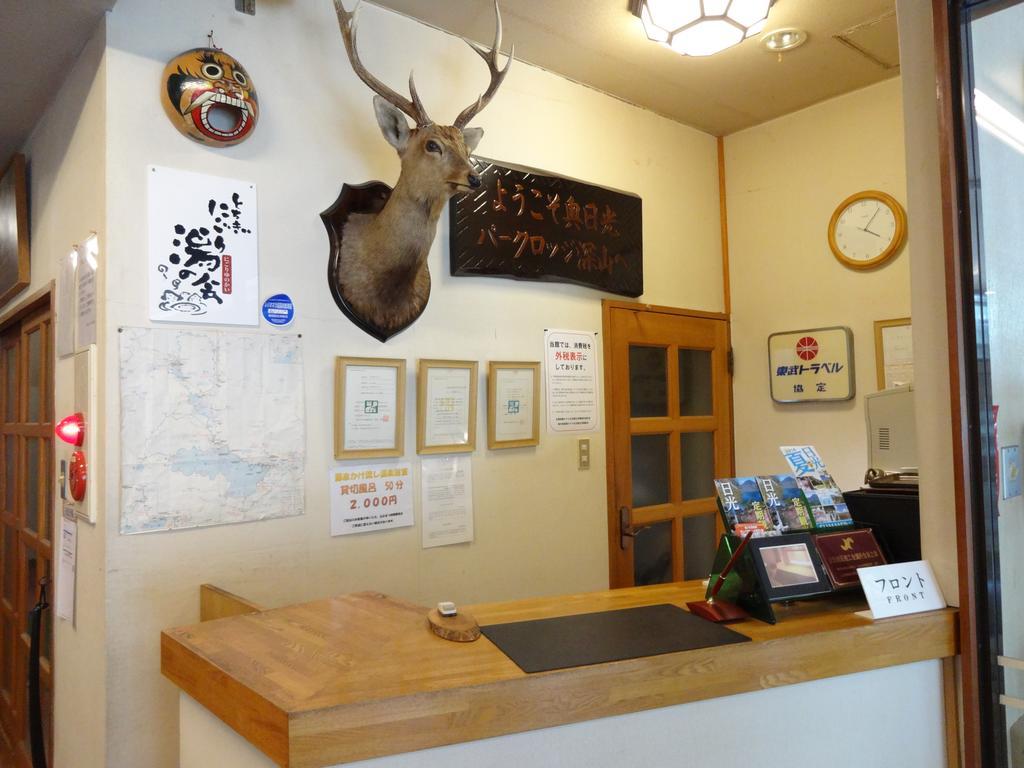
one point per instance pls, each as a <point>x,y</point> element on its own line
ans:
<point>460,628</point>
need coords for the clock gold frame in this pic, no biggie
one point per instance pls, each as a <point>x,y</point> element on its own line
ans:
<point>897,239</point>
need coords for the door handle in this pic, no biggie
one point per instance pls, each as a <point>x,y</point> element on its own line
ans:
<point>626,531</point>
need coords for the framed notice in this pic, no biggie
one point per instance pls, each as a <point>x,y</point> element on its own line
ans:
<point>369,408</point>
<point>513,418</point>
<point>894,353</point>
<point>446,406</point>
<point>811,366</point>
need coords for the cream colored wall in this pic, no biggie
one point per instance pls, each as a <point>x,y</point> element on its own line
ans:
<point>783,181</point>
<point>928,294</point>
<point>67,199</point>
<point>540,523</point>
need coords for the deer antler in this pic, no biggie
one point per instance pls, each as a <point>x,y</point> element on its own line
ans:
<point>497,75</point>
<point>413,108</point>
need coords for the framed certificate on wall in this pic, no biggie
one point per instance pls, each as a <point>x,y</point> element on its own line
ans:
<point>369,408</point>
<point>513,415</point>
<point>446,406</point>
<point>894,353</point>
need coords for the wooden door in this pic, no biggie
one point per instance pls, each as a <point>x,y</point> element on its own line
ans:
<point>26,520</point>
<point>669,423</point>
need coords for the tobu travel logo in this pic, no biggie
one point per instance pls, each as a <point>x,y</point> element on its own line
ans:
<point>807,348</point>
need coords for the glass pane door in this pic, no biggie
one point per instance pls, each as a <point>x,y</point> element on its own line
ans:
<point>670,435</point>
<point>994,92</point>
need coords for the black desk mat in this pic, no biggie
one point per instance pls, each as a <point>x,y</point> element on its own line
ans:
<point>594,638</point>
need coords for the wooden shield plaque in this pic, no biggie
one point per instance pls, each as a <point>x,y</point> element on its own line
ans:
<point>14,253</point>
<point>527,225</point>
<point>370,197</point>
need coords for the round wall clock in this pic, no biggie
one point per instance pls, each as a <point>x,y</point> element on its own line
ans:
<point>867,229</point>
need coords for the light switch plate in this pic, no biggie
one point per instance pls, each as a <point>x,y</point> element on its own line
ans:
<point>583,453</point>
<point>1009,473</point>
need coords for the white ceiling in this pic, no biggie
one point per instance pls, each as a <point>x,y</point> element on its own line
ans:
<point>597,42</point>
<point>39,40</point>
<point>600,43</point>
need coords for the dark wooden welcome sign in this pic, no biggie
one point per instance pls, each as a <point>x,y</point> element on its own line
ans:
<point>525,225</point>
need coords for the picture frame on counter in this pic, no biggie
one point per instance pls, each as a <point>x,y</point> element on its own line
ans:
<point>788,567</point>
<point>446,393</point>
<point>369,408</point>
<point>513,412</point>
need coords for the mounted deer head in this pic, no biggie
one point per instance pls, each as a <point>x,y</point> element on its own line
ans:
<point>381,268</point>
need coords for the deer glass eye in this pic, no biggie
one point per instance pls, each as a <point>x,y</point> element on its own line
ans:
<point>241,79</point>
<point>433,146</point>
<point>212,71</point>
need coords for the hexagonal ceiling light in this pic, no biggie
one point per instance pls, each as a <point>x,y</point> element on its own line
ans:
<point>701,27</point>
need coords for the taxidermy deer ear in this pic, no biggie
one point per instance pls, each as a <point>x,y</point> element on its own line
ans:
<point>472,137</point>
<point>392,123</point>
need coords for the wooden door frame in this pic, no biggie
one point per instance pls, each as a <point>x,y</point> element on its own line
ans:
<point>607,306</point>
<point>39,301</point>
<point>978,590</point>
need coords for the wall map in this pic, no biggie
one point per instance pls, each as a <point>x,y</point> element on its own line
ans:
<point>526,225</point>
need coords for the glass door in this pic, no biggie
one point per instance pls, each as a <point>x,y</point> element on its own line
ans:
<point>669,436</point>
<point>992,273</point>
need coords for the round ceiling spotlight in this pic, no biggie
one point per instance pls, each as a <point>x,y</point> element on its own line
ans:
<point>786,39</point>
<point>701,27</point>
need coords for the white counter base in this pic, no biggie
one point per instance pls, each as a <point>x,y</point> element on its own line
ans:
<point>887,718</point>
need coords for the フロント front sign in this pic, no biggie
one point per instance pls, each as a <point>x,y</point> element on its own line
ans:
<point>526,225</point>
<point>811,366</point>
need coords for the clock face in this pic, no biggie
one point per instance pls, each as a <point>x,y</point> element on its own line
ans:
<point>867,229</point>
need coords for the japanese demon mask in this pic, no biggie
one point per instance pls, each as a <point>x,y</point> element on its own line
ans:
<point>209,97</point>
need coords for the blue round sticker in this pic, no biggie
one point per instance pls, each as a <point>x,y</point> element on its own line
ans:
<point>279,310</point>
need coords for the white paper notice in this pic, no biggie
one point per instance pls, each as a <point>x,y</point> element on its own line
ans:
<point>66,318</point>
<point>66,574</point>
<point>513,404</point>
<point>446,485</point>
<point>447,418</point>
<point>901,588</point>
<point>203,249</point>
<point>373,497</point>
<point>371,392</point>
<point>570,371</point>
<point>85,318</point>
<point>898,353</point>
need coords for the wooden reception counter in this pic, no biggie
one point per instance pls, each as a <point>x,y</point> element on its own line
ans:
<point>361,675</point>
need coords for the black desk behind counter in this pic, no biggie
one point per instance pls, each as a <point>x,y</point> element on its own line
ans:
<point>895,518</point>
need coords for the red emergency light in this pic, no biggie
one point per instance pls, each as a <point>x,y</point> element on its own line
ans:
<point>71,429</point>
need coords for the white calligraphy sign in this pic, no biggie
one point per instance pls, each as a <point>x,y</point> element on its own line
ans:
<point>203,264</point>
<point>373,497</point>
<point>901,588</point>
